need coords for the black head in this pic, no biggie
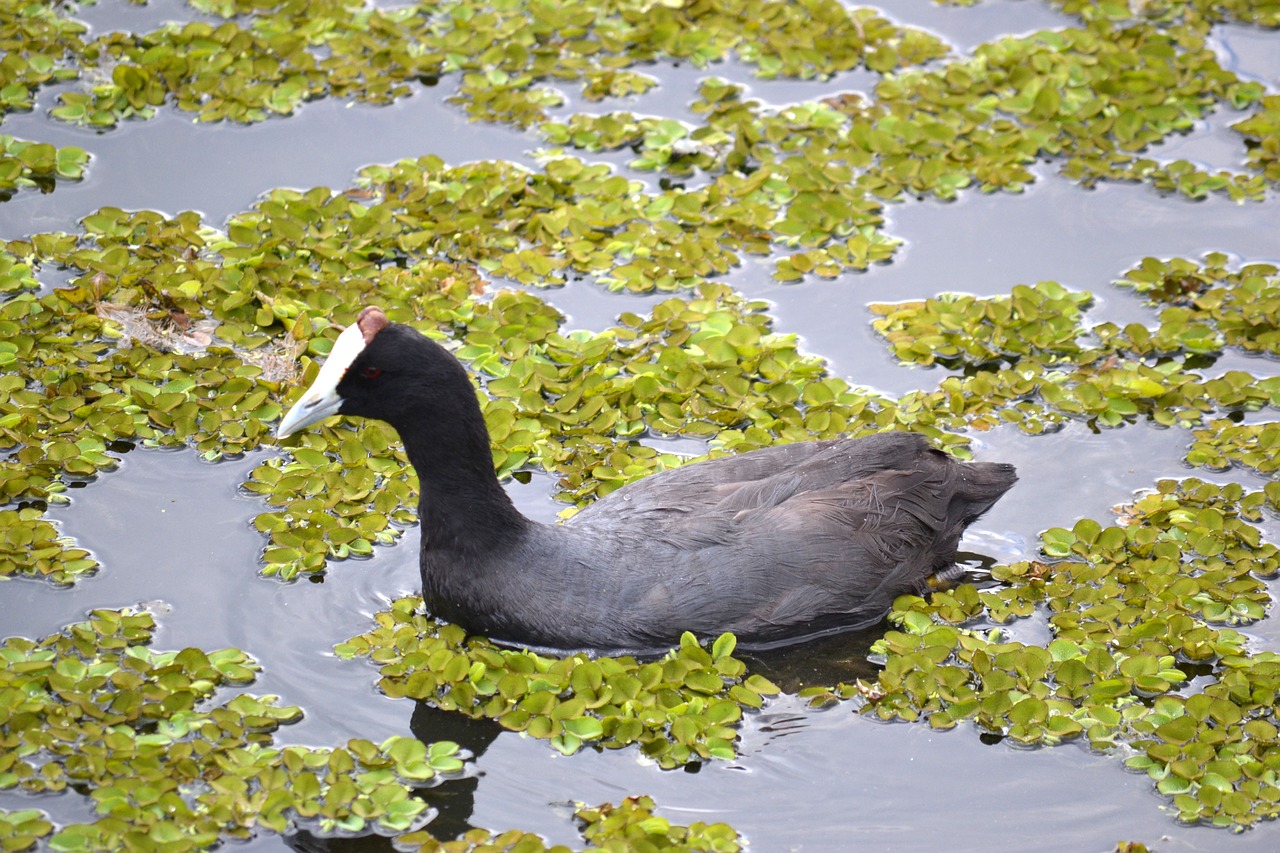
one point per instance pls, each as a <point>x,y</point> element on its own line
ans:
<point>386,371</point>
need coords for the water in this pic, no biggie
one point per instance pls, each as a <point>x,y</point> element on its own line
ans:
<point>840,780</point>
<point>175,532</point>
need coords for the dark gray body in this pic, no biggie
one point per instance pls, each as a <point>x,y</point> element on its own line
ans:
<point>771,545</point>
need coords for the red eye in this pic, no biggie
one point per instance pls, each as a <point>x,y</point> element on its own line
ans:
<point>372,372</point>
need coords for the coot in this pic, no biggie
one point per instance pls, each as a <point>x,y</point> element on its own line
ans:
<point>774,545</point>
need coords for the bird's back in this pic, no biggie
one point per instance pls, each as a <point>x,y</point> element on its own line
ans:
<point>788,540</point>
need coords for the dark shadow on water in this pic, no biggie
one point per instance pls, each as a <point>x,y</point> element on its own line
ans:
<point>826,661</point>
<point>307,843</point>
<point>453,800</point>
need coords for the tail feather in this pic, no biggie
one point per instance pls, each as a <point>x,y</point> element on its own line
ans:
<point>979,486</point>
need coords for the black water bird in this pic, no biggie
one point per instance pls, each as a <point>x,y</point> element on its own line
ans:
<point>774,545</point>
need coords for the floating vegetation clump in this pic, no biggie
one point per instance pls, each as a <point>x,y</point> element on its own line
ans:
<point>809,178</point>
<point>14,276</point>
<point>1052,93</point>
<point>1224,442</point>
<point>267,61</point>
<point>31,546</point>
<point>73,387</point>
<point>1039,323</point>
<point>21,829</point>
<point>629,825</point>
<point>1030,359</point>
<point>679,709</point>
<point>1241,307</point>
<point>1261,132</point>
<point>95,708</point>
<point>40,48</point>
<point>28,164</point>
<point>1208,307</point>
<point>1137,609</point>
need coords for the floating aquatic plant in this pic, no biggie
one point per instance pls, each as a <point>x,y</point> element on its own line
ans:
<point>26,164</point>
<point>1031,359</point>
<point>1224,442</point>
<point>1241,307</point>
<point>1040,323</point>
<point>14,276</point>
<point>266,61</point>
<point>21,829</point>
<point>31,546</point>
<point>94,708</point>
<point>1079,95</point>
<point>629,825</point>
<point>1137,609</point>
<point>681,708</point>
<point>40,47</point>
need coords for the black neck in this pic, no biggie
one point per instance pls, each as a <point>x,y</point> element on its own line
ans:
<point>463,508</point>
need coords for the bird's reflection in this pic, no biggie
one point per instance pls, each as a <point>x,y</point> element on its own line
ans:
<point>452,800</point>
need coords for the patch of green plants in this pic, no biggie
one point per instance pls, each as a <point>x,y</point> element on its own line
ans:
<point>810,178</point>
<point>508,57</point>
<point>1206,308</point>
<point>1137,609</point>
<point>1240,307</point>
<point>94,708</point>
<point>1195,16</point>
<point>975,122</point>
<point>14,276</point>
<point>629,825</point>
<point>21,829</point>
<point>1261,132</point>
<point>27,164</point>
<point>1041,323</point>
<point>168,763</point>
<point>267,59</point>
<point>74,385</point>
<point>1031,359</point>
<point>31,546</point>
<point>679,709</point>
<point>1223,443</point>
<point>40,46</point>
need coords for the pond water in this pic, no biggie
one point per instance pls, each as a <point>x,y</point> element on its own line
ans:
<point>174,531</point>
